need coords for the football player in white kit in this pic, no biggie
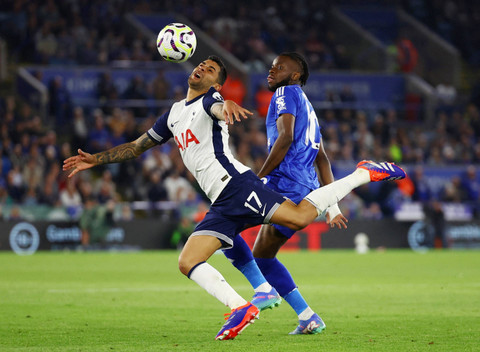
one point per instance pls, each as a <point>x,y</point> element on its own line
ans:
<point>198,124</point>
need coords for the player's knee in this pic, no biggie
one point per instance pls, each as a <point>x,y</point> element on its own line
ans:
<point>304,216</point>
<point>301,221</point>
<point>263,252</point>
<point>184,265</point>
<point>296,227</point>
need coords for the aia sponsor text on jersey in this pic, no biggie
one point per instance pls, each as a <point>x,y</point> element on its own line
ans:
<point>185,139</point>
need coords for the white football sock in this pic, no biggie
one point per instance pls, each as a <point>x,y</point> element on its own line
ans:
<point>213,282</point>
<point>332,193</point>
<point>265,287</point>
<point>306,314</point>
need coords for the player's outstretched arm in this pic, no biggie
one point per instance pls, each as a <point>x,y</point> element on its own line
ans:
<point>230,112</point>
<point>118,154</point>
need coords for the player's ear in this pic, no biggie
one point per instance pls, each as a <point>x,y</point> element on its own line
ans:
<point>296,76</point>
<point>217,86</point>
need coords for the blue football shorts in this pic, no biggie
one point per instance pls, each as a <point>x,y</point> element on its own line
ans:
<point>289,189</point>
<point>245,202</point>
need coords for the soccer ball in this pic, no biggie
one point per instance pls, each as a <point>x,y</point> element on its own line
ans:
<point>176,42</point>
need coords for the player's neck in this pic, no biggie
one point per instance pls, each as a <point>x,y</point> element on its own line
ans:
<point>193,93</point>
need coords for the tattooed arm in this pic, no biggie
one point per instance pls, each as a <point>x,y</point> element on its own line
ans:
<point>118,154</point>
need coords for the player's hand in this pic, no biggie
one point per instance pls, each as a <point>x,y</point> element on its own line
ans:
<point>79,162</point>
<point>339,221</point>
<point>232,112</point>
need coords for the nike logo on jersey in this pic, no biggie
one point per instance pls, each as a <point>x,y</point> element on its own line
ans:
<point>173,123</point>
<point>184,139</point>
<point>263,210</point>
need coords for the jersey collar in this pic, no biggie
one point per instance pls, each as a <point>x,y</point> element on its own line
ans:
<point>210,91</point>
<point>194,99</point>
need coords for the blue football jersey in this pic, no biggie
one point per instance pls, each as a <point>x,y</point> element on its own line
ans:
<point>298,165</point>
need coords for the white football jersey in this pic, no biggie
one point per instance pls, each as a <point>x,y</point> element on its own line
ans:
<point>202,140</point>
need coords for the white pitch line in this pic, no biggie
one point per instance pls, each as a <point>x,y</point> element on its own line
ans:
<point>95,290</point>
<point>120,289</point>
<point>132,289</point>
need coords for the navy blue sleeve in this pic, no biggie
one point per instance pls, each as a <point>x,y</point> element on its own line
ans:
<point>160,133</point>
<point>211,97</point>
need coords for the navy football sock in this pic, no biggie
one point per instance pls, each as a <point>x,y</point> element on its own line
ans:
<point>279,277</point>
<point>242,258</point>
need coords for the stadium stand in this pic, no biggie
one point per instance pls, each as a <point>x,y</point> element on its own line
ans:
<point>94,38</point>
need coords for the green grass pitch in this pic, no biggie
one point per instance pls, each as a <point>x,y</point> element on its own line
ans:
<point>395,300</point>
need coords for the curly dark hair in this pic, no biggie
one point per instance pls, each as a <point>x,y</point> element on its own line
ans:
<point>300,60</point>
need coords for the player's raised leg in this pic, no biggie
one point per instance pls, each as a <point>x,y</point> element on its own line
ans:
<point>315,203</point>
<point>192,263</point>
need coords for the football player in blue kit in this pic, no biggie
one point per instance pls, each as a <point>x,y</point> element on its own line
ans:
<point>199,127</point>
<point>295,151</point>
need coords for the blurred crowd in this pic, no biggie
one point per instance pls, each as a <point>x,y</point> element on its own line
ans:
<point>455,21</point>
<point>32,156</point>
<point>271,27</point>
<point>355,135</point>
<point>95,32</point>
<point>81,32</point>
